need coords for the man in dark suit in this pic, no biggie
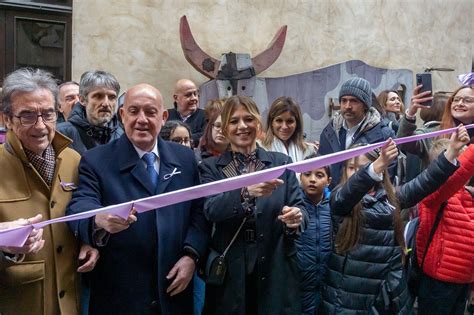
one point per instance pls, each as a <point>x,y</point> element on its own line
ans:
<point>148,259</point>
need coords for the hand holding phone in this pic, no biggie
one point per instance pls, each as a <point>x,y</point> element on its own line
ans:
<point>424,79</point>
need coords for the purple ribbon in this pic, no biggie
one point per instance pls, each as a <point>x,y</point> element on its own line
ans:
<point>17,236</point>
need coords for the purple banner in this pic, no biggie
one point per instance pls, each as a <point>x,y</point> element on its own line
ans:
<point>17,236</point>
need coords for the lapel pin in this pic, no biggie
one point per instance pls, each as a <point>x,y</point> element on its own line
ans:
<point>68,186</point>
<point>175,172</point>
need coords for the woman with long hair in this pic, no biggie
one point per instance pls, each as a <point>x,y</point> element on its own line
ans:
<point>365,270</point>
<point>417,151</point>
<point>213,141</point>
<point>459,108</point>
<point>393,106</point>
<point>255,226</point>
<point>284,132</point>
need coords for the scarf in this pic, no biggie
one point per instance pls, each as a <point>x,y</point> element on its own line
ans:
<point>293,151</point>
<point>45,165</point>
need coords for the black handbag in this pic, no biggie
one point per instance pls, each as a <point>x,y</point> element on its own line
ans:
<point>216,265</point>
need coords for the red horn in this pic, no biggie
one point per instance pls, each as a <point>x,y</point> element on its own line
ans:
<point>266,58</point>
<point>200,60</point>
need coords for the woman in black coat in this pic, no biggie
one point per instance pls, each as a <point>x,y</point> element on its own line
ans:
<point>262,273</point>
<point>366,273</point>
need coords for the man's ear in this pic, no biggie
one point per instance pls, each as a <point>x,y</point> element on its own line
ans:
<point>8,121</point>
<point>82,100</point>
<point>165,115</point>
<point>329,181</point>
<point>121,112</point>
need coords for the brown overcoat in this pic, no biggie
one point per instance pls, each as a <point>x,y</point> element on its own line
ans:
<point>46,282</point>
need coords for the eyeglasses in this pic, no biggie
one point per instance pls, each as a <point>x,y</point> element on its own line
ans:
<point>466,100</point>
<point>217,126</point>
<point>181,140</point>
<point>30,119</point>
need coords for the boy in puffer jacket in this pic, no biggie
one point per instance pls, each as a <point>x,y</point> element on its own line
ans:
<point>448,270</point>
<point>315,243</point>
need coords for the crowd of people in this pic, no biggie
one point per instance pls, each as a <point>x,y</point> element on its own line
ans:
<point>331,240</point>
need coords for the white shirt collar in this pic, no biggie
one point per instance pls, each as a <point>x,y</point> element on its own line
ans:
<point>141,153</point>
<point>350,132</point>
<point>353,129</point>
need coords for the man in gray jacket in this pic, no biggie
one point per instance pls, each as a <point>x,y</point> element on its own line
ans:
<point>93,120</point>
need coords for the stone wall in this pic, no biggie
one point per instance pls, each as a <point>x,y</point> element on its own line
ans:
<point>138,40</point>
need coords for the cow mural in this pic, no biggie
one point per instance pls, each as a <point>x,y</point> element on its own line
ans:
<point>316,91</point>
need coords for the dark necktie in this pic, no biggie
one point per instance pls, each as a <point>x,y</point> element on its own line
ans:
<point>149,159</point>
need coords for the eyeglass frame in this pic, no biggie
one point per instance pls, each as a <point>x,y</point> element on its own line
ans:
<point>20,118</point>
<point>182,140</point>
<point>458,99</point>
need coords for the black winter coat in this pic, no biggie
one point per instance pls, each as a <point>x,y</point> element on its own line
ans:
<point>314,249</point>
<point>370,278</point>
<point>276,266</point>
<point>84,136</point>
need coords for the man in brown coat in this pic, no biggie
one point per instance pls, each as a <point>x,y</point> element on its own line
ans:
<point>38,174</point>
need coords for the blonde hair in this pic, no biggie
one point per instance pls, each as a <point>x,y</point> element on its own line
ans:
<point>212,107</point>
<point>231,105</point>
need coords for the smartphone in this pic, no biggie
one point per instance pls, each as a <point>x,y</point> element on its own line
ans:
<point>425,80</point>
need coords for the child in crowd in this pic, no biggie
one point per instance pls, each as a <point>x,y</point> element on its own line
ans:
<point>178,132</point>
<point>448,268</point>
<point>365,271</point>
<point>315,243</point>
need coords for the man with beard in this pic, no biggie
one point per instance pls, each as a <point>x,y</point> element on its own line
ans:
<point>357,122</point>
<point>186,108</point>
<point>93,121</point>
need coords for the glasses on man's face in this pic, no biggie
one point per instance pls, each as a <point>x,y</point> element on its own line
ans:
<point>180,140</point>
<point>30,119</point>
<point>465,100</point>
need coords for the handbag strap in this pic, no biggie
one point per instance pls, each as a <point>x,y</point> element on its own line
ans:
<point>234,237</point>
<point>439,215</point>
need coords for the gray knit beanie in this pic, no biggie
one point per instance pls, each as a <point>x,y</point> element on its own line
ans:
<point>359,88</point>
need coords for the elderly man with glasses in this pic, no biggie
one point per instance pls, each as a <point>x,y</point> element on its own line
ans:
<point>39,174</point>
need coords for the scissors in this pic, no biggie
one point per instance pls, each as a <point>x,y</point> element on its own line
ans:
<point>175,172</point>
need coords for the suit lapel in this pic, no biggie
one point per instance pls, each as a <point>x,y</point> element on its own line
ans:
<point>169,167</point>
<point>225,161</point>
